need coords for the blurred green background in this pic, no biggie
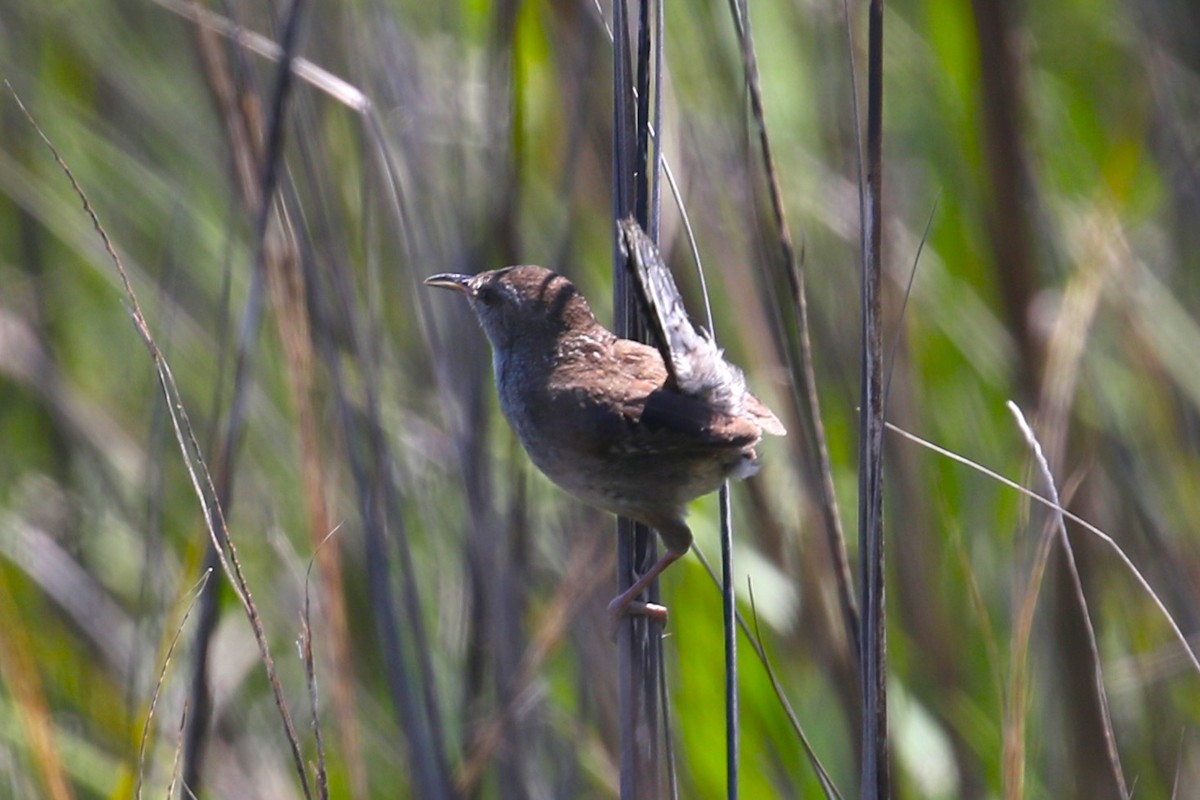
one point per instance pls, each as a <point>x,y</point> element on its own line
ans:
<point>461,643</point>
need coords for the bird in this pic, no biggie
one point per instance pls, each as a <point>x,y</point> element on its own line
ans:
<point>628,428</point>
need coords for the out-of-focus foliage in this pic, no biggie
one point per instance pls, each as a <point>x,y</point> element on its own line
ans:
<point>1057,142</point>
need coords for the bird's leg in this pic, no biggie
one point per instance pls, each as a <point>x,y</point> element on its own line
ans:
<point>624,603</point>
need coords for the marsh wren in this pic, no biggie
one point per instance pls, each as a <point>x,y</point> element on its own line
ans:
<point>629,428</point>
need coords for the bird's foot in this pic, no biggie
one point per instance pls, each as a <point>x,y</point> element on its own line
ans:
<point>623,606</point>
<point>637,608</point>
<point>627,603</point>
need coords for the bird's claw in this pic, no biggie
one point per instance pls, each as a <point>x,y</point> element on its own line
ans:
<point>619,608</point>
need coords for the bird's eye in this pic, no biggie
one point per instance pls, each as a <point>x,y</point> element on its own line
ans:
<point>488,295</point>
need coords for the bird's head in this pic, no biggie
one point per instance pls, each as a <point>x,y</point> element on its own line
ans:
<point>520,305</point>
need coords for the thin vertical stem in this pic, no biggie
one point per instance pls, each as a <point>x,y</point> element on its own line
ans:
<point>728,614</point>
<point>638,646</point>
<point>873,652</point>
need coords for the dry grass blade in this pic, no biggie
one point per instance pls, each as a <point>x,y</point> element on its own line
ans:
<point>1017,700</point>
<point>317,77</point>
<point>1083,523</point>
<point>280,255</point>
<point>1093,649</point>
<point>257,153</point>
<point>190,450</point>
<point>176,762</point>
<point>195,593</point>
<point>794,270</point>
<point>310,670</point>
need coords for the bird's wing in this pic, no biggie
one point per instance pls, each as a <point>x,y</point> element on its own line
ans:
<point>682,422</point>
<point>630,406</point>
<point>669,418</point>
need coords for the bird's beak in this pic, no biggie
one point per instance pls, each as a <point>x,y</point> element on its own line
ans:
<point>448,280</point>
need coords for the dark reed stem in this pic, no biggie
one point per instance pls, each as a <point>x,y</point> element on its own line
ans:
<point>729,620</point>
<point>259,202</point>
<point>638,648</point>
<point>806,370</point>
<point>873,656</point>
